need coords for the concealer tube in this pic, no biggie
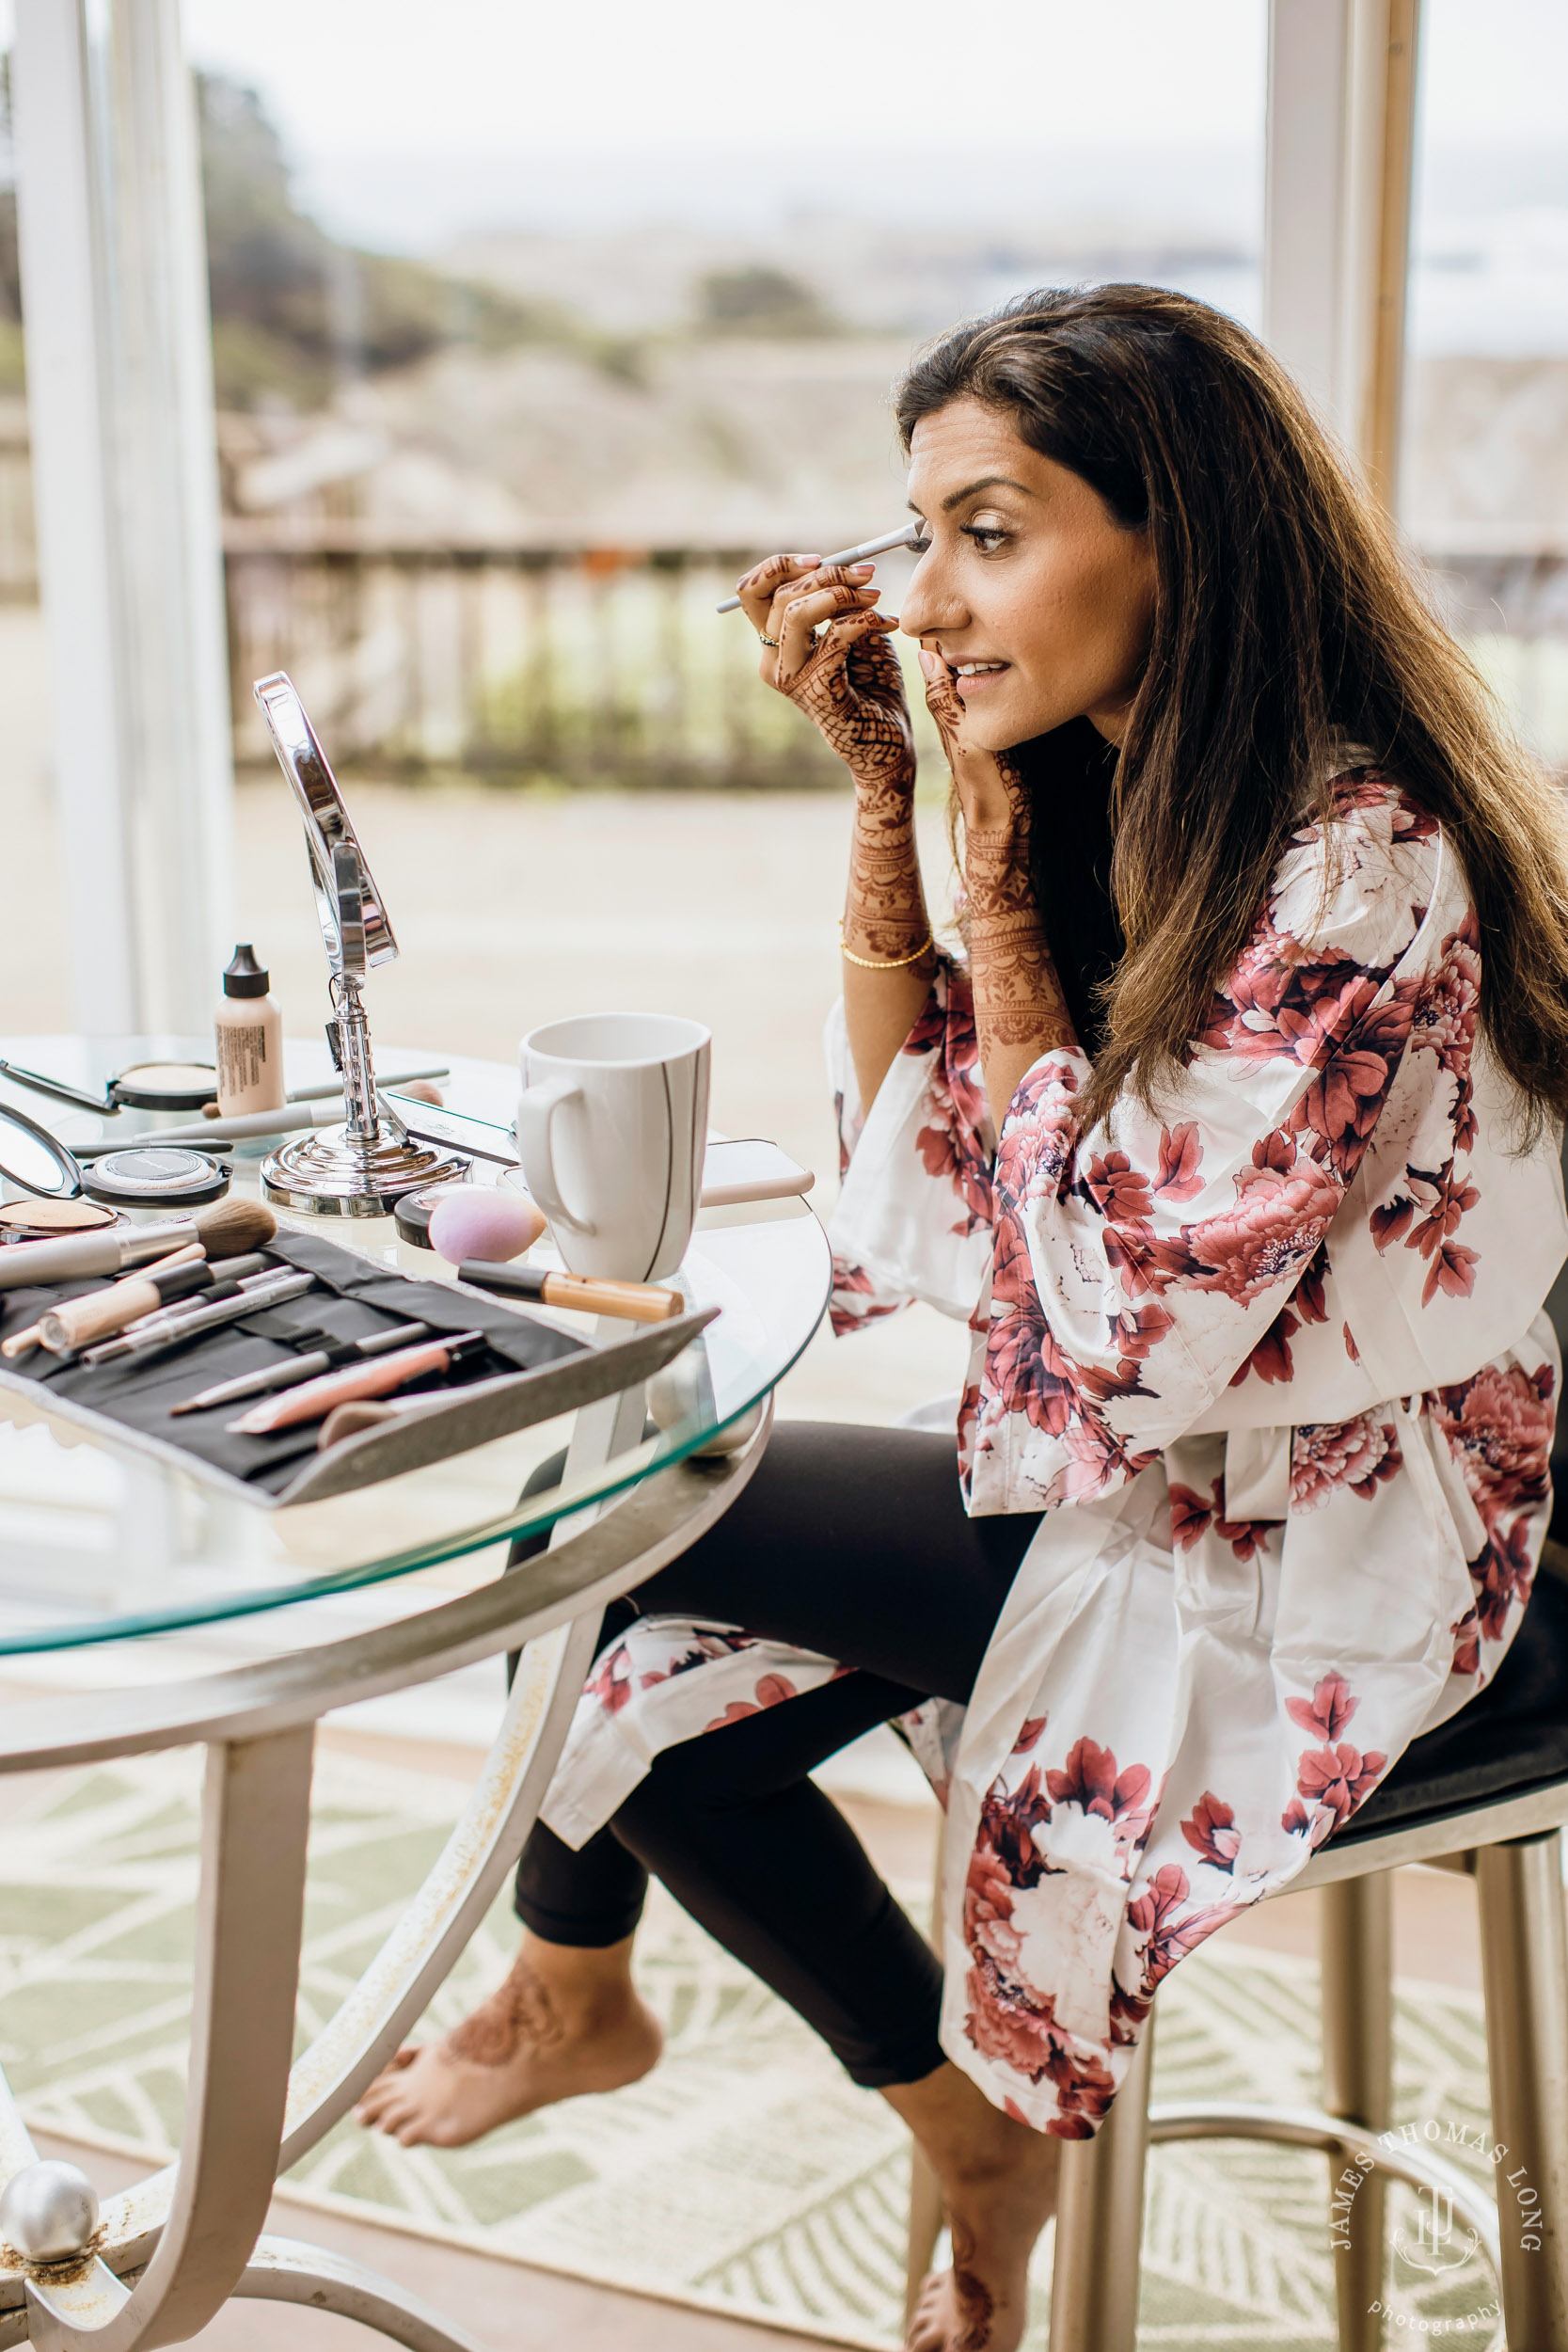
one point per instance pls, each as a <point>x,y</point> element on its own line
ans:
<point>636,1302</point>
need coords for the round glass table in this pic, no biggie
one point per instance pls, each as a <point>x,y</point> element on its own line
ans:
<point>102,1545</point>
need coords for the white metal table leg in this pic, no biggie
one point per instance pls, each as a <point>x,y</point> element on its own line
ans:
<point>256,1821</point>
<point>284,2270</point>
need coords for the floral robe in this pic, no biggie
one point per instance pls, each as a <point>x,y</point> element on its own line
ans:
<point>1275,1366</point>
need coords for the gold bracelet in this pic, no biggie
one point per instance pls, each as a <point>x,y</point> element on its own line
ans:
<point>890,963</point>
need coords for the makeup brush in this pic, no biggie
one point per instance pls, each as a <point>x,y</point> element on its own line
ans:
<point>638,1302</point>
<point>225,1302</point>
<point>905,536</point>
<point>226,1228</point>
<point>99,1316</point>
<point>21,1342</point>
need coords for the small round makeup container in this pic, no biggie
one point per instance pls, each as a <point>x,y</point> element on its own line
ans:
<point>153,1175</point>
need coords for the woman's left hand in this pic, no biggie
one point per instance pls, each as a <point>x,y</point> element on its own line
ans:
<point>1020,1011</point>
<point>990,787</point>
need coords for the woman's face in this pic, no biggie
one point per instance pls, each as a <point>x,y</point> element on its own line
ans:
<point>1030,590</point>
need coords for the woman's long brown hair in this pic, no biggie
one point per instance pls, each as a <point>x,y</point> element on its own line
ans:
<point>1285,623</point>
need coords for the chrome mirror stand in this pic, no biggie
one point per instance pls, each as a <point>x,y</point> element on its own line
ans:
<point>365,1166</point>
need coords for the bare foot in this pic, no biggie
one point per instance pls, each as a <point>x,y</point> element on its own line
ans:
<point>935,2315</point>
<point>564,2022</point>
<point>999,2186</point>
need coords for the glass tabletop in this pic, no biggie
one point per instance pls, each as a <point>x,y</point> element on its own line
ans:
<point>100,1542</point>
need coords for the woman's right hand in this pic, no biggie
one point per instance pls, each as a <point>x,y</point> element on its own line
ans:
<point>848,680</point>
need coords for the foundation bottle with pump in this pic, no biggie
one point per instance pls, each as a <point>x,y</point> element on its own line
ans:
<point>249,1039</point>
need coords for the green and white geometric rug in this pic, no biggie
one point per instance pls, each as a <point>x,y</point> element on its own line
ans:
<point>746,2175</point>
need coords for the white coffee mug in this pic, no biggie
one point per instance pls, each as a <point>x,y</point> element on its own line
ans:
<point>613,1130</point>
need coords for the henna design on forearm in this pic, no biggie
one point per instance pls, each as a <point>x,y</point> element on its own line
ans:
<point>1018,997</point>
<point>855,696</point>
<point>884,912</point>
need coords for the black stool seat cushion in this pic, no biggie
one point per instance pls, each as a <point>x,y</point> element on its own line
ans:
<point>1510,1739</point>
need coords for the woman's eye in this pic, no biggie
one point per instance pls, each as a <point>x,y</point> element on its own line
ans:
<point>921,546</point>
<point>988,537</point>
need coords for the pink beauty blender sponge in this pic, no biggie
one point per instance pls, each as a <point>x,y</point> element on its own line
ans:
<point>484,1223</point>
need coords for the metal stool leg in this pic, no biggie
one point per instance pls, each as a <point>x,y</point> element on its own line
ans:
<point>927,2218</point>
<point>1357,1949</point>
<point>1094,2284</point>
<point>927,2214</point>
<point>1524,1959</point>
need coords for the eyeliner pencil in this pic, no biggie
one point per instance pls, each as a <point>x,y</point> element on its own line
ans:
<point>157,1333</point>
<point>905,536</point>
<point>288,1376</point>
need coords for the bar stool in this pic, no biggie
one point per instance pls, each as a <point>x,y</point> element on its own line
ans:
<point>1486,1794</point>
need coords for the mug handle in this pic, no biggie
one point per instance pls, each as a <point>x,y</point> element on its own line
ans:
<point>536,1110</point>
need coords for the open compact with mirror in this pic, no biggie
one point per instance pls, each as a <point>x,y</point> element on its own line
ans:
<point>70,1192</point>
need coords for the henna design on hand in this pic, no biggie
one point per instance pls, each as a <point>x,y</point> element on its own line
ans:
<point>848,682</point>
<point>852,690</point>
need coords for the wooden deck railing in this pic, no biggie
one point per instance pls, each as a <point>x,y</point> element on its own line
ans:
<point>520,663</point>
<point>609,664</point>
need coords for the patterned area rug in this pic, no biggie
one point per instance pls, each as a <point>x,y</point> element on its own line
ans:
<point>746,2175</point>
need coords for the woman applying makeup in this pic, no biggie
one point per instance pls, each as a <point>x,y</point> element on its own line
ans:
<point>1232,1134</point>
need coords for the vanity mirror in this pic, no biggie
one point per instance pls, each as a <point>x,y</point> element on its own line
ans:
<point>363,1167</point>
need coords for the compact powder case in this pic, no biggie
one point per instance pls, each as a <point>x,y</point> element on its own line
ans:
<point>155,1175</point>
<point>166,1086</point>
<point>147,1086</point>
<point>38,1220</point>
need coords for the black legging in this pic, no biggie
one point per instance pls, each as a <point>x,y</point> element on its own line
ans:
<point>852,1542</point>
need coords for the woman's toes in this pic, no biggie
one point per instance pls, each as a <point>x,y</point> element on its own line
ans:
<point>930,2328</point>
<point>372,2103</point>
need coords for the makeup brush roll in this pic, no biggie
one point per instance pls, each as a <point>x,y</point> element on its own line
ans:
<point>526,1372</point>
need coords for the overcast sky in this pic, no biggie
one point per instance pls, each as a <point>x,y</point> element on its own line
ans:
<point>409,122</point>
<point>372,75</point>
